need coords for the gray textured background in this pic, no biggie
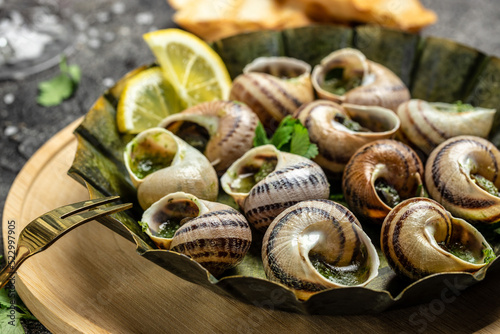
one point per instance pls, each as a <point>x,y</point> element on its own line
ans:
<point>111,45</point>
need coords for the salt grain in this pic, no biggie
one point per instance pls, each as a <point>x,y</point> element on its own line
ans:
<point>144,18</point>
<point>10,130</point>
<point>9,98</point>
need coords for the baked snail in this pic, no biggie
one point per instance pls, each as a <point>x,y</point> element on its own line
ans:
<point>379,176</point>
<point>426,125</point>
<point>221,130</point>
<point>419,238</point>
<point>273,87</point>
<point>213,234</point>
<point>340,130</point>
<point>462,174</point>
<point>266,181</point>
<point>160,163</point>
<point>346,76</point>
<point>318,244</point>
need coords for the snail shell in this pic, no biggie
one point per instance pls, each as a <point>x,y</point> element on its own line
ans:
<point>454,173</point>
<point>388,161</point>
<point>426,125</point>
<point>222,130</point>
<point>160,163</point>
<point>213,234</point>
<point>336,143</point>
<point>378,86</point>
<point>273,87</point>
<point>318,231</point>
<point>289,179</point>
<point>419,238</point>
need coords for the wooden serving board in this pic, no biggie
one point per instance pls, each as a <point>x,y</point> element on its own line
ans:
<point>93,281</point>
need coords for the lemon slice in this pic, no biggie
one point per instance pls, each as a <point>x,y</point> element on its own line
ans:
<point>146,100</point>
<point>194,69</point>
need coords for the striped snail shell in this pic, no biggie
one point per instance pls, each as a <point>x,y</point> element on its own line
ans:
<point>426,125</point>
<point>380,175</point>
<point>213,234</point>
<point>266,181</point>
<point>160,163</point>
<point>222,130</point>
<point>462,175</point>
<point>357,80</point>
<point>329,125</point>
<point>273,87</point>
<point>419,238</point>
<point>316,245</point>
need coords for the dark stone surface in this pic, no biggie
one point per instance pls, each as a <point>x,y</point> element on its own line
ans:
<point>110,44</point>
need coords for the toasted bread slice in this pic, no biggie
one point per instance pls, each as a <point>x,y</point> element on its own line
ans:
<point>217,19</point>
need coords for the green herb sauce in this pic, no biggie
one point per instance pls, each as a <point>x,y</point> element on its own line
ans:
<point>485,184</point>
<point>144,226</point>
<point>488,254</point>
<point>387,193</point>
<point>168,229</point>
<point>253,175</point>
<point>149,164</point>
<point>460,251</point>
<point>173,215</point>
<point>354,274</point>
<point>350,124</point>
<point>335,82</point>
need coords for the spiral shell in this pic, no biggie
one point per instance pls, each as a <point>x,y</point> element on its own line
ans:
<point>222,130</point>
<point>273,87</point>
<point>321,232</point>
<point>160,163</point>
<point>336,143</point>
<point>426,125</point>
<point>419,238</point>
<point>378,86</point>
<point>453,175</point>
<point>382,162</point>
<point>213,234</point>
<point>289,179</point>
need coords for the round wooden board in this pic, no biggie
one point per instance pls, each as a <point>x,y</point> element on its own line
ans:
<point>93,281</point>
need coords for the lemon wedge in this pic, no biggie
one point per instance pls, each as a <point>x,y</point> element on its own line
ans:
<point>146,100</point>
<point>195,70</point>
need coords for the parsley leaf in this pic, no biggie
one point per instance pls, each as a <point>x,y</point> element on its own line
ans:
<point>12,310</point>
<point>52,92</point>
<point>290,136</point>
<point>260,136</point>
<point>282,136</point>
<point>301,144</point>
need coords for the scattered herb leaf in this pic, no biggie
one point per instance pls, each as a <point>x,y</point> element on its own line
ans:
<point>301,144</point>
<point>52,92</point>
<point>290,136</point>
<point>260,136</point>
<point>12,310</point>
<point>282,136</point>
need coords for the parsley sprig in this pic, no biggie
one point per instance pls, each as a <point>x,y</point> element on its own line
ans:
<point>52,92</point>
<point>290,136</point>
